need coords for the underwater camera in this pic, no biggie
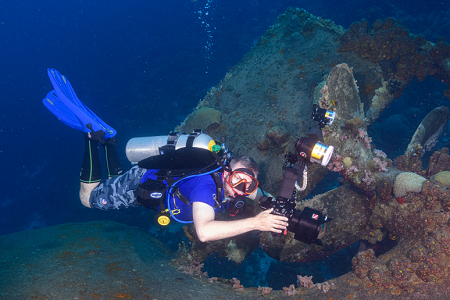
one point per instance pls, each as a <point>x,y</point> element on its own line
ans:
<point>305,224</point>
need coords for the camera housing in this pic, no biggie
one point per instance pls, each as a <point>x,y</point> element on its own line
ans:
<point>305,224</point>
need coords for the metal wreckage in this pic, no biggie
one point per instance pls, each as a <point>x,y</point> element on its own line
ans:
<point>263,106</point>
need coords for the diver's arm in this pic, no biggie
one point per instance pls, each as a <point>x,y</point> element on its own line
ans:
<point>209,229</point>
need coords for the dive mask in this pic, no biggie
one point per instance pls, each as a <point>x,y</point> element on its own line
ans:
<point>243,180</point>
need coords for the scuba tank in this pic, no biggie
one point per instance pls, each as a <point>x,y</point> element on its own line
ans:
<point>140,148</point>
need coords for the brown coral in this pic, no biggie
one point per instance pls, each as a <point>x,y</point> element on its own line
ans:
<point>401,272</point>
<point>363,262</point>
<point>439,161</point>
<point>398,52</point>
<point>353,124</point>
<point>380,278</point>
<point>384,190</point>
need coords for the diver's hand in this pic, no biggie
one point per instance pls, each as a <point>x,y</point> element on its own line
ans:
<point>265,221</point>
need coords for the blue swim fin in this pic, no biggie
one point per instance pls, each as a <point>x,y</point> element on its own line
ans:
<point>65,105</point>
<point>65,115</point>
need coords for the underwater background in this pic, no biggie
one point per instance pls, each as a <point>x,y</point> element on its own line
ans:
<point>143,66</point>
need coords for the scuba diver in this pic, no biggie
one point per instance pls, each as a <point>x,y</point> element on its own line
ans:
<point>185,177</point>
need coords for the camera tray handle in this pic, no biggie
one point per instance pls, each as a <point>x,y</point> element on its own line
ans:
<point>288,185</point>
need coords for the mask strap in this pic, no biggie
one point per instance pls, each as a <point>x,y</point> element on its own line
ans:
<point>245,170</point>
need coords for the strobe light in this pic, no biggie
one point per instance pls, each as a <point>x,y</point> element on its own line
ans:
<point>313,150</point>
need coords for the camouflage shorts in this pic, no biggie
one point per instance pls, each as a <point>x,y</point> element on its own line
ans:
<point>117,192</point>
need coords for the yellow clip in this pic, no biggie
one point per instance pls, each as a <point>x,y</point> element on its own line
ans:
<point>176,211</point>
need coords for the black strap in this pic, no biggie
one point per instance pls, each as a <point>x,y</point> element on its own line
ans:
<point>142,193</point>
<point>245,170</point>
<point>172,139</point>
<point>180,196</point>
<point>219,161</point>
<point>190,141</point>
<point>145,190</point>
<point>219,187</point>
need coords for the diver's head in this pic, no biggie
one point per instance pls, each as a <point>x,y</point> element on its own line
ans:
<point>246,162</point>
<point>241,178</point>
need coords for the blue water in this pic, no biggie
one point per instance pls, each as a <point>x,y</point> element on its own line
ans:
<point>142,66</point>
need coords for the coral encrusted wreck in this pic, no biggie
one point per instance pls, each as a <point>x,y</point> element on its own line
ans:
<point>365,67</point>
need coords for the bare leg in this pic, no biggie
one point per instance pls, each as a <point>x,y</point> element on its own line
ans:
<point>85,192</point>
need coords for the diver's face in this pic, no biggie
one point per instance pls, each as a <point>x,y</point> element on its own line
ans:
<point>235,182</point>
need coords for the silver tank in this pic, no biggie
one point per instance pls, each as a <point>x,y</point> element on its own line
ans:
<point>141,148</point>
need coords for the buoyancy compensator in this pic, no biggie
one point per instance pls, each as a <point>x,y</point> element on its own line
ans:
<point>176,157</point>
